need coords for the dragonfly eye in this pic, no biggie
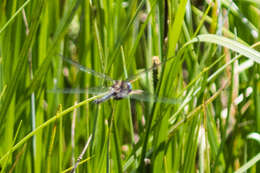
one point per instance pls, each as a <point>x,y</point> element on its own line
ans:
<point>129,86</point>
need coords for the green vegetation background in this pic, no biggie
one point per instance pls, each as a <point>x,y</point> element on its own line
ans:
<point>213,73</point>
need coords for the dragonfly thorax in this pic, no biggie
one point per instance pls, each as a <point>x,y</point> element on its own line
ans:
<point>121,89</point>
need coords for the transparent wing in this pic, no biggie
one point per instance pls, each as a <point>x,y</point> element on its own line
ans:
<point>153,98</point>
<point>87,70</point>
<point>134,77</point>
<point>96,90</point>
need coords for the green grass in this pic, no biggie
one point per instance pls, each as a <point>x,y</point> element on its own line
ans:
<point>210,55</point>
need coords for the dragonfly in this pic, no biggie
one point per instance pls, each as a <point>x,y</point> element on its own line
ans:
<point>120,88</point>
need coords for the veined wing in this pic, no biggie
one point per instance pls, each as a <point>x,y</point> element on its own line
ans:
<point>136,76</point>
<point>95,91</point>
<point>143,96</point>
<point>87,70</point>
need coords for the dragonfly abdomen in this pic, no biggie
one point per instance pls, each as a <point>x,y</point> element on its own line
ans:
<point>102,99</point>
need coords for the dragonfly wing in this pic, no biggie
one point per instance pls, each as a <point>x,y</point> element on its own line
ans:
<point>87,70</point>
<point>96,90</point>
<point>136,76</point>
<point>152,98</point>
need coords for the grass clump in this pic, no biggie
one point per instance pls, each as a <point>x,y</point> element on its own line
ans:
<point>207,114</point>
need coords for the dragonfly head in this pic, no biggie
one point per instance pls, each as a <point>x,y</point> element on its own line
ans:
<point>129,86</point>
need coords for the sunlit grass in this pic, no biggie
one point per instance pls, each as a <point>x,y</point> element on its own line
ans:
<point>210,64</point>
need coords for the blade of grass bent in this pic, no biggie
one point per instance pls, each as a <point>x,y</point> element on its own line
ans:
<point>226,42</point>
<point>51,120</point>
